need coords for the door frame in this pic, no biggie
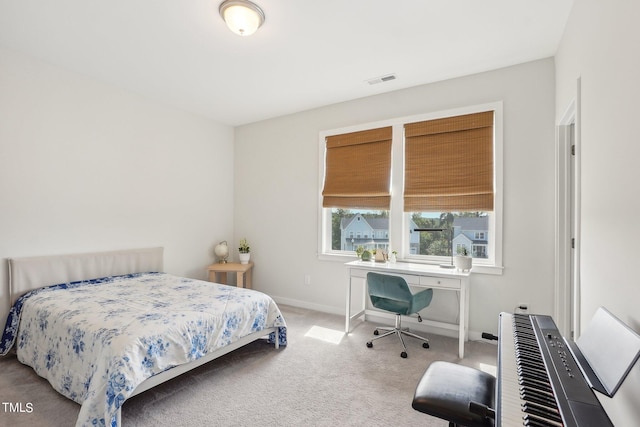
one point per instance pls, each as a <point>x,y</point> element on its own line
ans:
<point>567,259</point>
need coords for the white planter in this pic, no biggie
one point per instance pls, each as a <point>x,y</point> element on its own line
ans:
<point>463,263</point>
<point>244,258</point>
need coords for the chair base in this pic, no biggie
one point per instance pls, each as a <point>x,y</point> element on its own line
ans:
<point>399,331</point>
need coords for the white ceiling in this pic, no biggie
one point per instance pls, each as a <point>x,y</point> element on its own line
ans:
<point>309,53</point>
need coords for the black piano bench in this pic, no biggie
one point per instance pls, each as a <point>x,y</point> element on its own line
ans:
<point>446,391</point>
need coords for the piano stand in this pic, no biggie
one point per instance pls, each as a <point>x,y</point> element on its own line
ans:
<point>446,391</point>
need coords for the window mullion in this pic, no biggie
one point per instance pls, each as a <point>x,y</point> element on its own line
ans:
<point>396,217</point>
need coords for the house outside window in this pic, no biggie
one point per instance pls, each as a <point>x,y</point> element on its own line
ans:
<point>464,233</point>
<point>471,232</point>
<point>379,220</point>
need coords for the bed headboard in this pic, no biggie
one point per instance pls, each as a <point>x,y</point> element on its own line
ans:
<point>26,274</point>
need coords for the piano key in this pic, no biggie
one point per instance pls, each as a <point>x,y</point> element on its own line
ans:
<point>535,423</point>
<point>543,421</point>
<point>508,401</point>
<point>521,350</point>
<point>544,385</point>
<point>527,396</point>
<point>541,410</point>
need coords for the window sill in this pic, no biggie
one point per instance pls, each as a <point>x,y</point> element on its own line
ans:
<point>337,258</point>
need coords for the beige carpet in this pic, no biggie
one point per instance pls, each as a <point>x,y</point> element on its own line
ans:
<point>311,382</point>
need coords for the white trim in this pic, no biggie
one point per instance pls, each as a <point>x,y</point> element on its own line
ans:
<point>577,210</point>
<point>561,311</point>
<point>382,318</point>
<point>398,240</point>
<point>563,220</point>
<point>308,305</point>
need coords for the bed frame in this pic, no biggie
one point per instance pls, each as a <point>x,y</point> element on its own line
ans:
<point>26,274</point>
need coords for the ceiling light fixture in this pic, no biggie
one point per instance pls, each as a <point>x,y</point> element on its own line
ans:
<point>242,16</point>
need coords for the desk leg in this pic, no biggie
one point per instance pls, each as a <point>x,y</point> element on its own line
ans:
<point>347,324</point>
<point>463,321</point>
<point>223,278</point>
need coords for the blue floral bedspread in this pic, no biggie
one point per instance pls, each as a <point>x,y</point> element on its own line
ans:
<point>96,340</point>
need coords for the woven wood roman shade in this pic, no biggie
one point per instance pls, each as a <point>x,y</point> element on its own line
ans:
<point>449,164</point>
<point>358,170</point>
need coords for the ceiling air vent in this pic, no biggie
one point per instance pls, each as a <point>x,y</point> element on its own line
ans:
<point>381,79</point>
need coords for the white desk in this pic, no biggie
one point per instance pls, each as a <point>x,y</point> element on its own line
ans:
<point>419,275</point>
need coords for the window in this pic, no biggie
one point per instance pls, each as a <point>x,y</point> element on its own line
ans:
<point>442,189</point>
<point>346,222</point>
<point>479,251</point>
<point>445,230</point>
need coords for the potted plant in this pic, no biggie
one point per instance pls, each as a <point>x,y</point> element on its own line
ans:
<point>463,261</point>
<point>393,257</point>
<point>244,250</point>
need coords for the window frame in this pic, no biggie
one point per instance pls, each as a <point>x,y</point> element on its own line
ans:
<point>398,220</point>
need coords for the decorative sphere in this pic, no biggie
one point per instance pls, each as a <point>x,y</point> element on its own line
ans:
<point>221,250</point>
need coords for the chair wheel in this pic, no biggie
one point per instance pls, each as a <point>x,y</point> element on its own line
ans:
<point>369,344</point>
<point>425,345</point>
<point>403,354</point>
<point>376,332</point>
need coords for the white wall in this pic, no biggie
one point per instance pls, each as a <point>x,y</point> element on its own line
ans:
<point>87,167</point>
<point>600,46</point>
<point>276,190</point>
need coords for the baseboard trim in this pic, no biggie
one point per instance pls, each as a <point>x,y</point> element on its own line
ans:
<point>310,306</point>
<point>384,319</point>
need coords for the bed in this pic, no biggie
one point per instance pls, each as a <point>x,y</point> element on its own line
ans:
<point>103,327</point>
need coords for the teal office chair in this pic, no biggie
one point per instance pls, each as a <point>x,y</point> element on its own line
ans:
<point>392,293</point>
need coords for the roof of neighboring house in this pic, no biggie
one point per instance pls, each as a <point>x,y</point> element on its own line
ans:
<point>374,223</point>
<point>344,222</point>
<point>378,223</point>
<point>472,223</point>
<point>466,239</point>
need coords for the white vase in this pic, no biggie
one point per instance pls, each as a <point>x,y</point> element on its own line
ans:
<point>244,258</point>
<point>463,263</point>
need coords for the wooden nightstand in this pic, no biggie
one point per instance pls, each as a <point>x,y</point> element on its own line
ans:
<point>243,273</point>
